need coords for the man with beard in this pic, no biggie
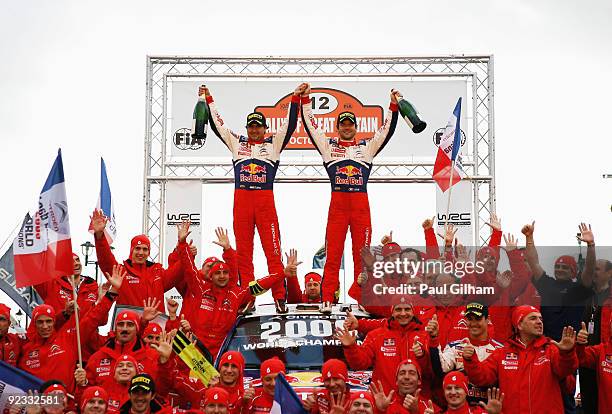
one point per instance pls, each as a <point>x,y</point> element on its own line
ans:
<point>408,398</point>
<point>384,348</point>
<point>348,163</point>
<point>528,367</point>
<point>312,289</point>
<point>477,320</point>
<point>335,376</point>
<point>142,397</point>
<point>125,341</point>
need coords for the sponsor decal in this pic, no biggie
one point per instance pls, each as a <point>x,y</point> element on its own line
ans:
<point>173,219</point>
<point>456,219</point>
<point>184,141</point>
<point>437,137</point>
<point>327,104</point>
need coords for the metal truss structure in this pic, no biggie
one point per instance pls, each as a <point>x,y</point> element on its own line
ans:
<point>480,166</point>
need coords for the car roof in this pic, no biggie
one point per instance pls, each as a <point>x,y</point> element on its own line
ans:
<point>268,309</point>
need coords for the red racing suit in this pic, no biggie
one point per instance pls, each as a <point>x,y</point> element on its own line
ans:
<point>142,281</point>
<point>255,166</point>
<point>348,166</point>
<point>219,307</point>
<point>384,348</point>
<point>529,376</point>
<point>56,356</point>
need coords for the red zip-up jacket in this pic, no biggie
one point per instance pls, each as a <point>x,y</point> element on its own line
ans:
<point>56,356</point>
<point>56,292</point>
<point>384,348</point>
<point>397,406</point>
<point>219,307</point>
<point>261,403</point>
<point>528,375</point>
<point>149,280</point>
<point>10,348</point>
<point>599,358</point>
<point>101,362</point>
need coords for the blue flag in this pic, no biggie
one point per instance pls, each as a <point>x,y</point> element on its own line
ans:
<point>286,401</point>
<point>14,381</point>
<point>318,260</point>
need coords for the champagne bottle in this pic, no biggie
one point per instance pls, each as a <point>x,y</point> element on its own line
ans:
<point>411,116</point>
<point>200,119</point>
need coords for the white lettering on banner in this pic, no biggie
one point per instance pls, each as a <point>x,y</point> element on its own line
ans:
<point>271,331</point>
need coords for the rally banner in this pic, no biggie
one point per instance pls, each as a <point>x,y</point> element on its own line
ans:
<point>367,98</point>
<point>26,297</point>
<point>43,249</point>
<point>460,214</point>
<point>183,202</point>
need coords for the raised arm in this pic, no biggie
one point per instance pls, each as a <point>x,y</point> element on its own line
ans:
<point>216,122</point>
<point>106,259</point>
<point>385,132</point>
<point>283,135</point>
<point>586,235</point>
<point>315,134</point>
<point>531,253</point>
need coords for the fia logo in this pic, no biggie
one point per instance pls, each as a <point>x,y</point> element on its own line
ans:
<point>184,141</point>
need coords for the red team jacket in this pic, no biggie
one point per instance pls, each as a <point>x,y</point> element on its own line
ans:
<point>599,358</point>
<point>529,376</point>
<point>384,348</point>
<point>150,280</point>
<point>55,357</point>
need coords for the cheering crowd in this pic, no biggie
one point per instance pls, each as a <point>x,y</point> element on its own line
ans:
<point>516,351</point>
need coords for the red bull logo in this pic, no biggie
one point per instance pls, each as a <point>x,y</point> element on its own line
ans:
<point>254,173</point>
<point>354,175</point>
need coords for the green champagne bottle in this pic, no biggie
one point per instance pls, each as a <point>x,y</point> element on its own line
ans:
<point>200,119</point>
<point>411,116</point>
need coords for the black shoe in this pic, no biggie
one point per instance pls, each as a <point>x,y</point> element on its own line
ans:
<point>281,306</point>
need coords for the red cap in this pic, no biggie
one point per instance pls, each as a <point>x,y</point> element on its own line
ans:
<point>520,312</point>
<point>312,277</point>
<point>457,378</point>
<point>125,358</point>
<point>211,259</point>
<point>75,256</point>
<point>128,315</point>
<point>43,310</point>
<point>334,368</point>
<point>139,240</point>
<point>55,388</point>
<point>216,395</point>
<point>408,361</point>
<point>570,261</point>
<point>5,311</point>
<point>232,357</point>
<point>363,395</point>
<point>218,266</point>
<point>272,366</point>
<point>152,329</point>
<point>93,392</point>
<point>391,248</point>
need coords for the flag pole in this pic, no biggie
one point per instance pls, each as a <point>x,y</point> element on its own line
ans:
<point>450,191</point>
<point>76,320</point>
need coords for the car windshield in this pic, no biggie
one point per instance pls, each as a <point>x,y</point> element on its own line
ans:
<point>302,342</point>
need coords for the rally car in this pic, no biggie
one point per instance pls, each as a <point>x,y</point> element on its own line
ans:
<point>302,339</point>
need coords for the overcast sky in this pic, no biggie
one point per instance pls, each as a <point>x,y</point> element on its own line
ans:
<point>73,76</point>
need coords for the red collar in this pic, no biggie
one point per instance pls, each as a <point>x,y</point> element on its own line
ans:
<point>343,143</point>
